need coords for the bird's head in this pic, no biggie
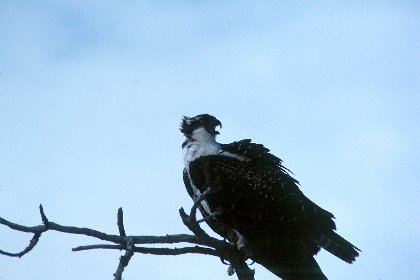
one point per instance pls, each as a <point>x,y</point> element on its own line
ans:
<point>201,128</point>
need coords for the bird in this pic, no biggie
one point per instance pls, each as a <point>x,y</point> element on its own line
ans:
<point>253,201</point>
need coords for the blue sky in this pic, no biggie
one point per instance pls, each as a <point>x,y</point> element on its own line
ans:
<point>92,95</point>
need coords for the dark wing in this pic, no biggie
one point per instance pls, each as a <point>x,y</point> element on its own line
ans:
<point>259,154</point>
<point>264,204</point>
<point>264,195</point>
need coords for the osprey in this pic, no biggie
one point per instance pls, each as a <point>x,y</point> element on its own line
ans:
<point>256,203</point>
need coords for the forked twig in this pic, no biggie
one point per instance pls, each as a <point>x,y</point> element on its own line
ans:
<point>204,244</point>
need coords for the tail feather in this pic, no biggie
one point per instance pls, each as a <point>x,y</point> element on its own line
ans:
<point>338,246</point>
<point>286,263</point>
<point>306,269</point>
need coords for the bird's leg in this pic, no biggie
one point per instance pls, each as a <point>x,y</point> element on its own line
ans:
<point>241,242</point>
<point>243,246</point>
<point>244,252</point>
<point>198,202</point>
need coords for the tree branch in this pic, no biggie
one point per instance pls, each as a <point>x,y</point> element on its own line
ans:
<point>32,244</point>
<point>204,244</point>
<point>125,259</point>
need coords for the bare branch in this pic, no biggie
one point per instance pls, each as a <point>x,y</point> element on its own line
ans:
<point>173,238</point>
<point>204,244</point>
<point>177,251</point>
<point>97,246</point>
<point>153,251</point>
<point>31,245</point>
<point>125,259</point>
<point>193,226</point>
<point>21,228</point>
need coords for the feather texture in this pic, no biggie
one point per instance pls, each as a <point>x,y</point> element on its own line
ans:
<point>258,198</point>
<point>264,204</point>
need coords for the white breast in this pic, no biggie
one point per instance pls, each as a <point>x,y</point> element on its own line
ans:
<point>198,150</point>
<point>194,150</point>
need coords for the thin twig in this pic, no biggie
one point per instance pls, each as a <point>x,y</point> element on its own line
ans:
<point>120,222</point>
<point>152,251</point>
<point>43,216</point>
<point>31,245</point>
<point>97,246</point>
<point>177,251</point>
<point>169,238</point>
<point>212,246</point>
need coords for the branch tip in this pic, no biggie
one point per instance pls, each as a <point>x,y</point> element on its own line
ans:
<point>209,245</point>
<point>43,216</point>
<point>120,222</point>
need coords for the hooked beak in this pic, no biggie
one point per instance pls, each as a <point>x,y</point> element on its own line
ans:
<point>214,131</point>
